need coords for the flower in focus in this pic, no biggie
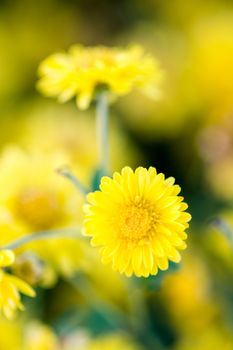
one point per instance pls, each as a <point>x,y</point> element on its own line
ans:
<point>83,70</point>
<point>138,220</point>
<point>11,286</point>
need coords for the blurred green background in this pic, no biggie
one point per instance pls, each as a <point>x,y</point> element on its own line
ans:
<point>187,134</point>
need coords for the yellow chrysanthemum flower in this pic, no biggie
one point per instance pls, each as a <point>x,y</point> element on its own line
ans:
<point>10,286</point>
<point>38,199</point>
<point>138,221</point>
<point>80,71</point>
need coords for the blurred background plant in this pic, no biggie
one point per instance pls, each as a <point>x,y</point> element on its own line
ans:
<point>187,133</point>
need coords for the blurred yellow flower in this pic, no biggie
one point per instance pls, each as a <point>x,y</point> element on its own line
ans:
<point>187,295</point>
<point>10,286</point>
<point>211,67</point>
<point>138,221</point>
<point>214,337</point>
<point>38,199</point>
<point>6,258</point>
<point>40,337</point>
<point>30,335</point>
<point>110,341</point>
<point>83,70</point>
<point>7,329</point>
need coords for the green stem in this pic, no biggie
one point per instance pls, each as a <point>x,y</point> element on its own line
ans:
<point>58,233</point>
<point>102,131</point>
<point>68,174</point>
<point>140,320</point>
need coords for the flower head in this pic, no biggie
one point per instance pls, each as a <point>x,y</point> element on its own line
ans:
<point>37,199</point>
<point>83,70</point>
<point>138,220</point>
<point>11,286</point>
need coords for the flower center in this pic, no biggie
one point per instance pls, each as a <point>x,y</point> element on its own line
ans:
<point>39,207</point>
<point>136,222</point>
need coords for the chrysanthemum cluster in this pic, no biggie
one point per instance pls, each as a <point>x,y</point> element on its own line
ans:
<point>136,218</point>
<point>81,71</point>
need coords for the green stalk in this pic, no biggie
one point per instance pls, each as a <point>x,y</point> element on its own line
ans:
<point>70,176</point>
<point>102,131</point>
<point>51,234</point>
